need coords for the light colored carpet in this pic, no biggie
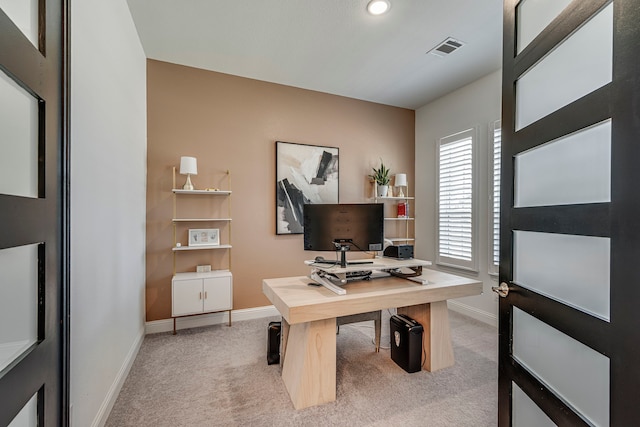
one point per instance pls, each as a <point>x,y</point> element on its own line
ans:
<point>218,376</point>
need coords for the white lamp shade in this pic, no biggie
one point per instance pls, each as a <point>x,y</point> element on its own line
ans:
<point>401,180</point>
<point>188,165</point>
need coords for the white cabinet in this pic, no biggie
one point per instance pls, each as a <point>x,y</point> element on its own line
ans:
<point>198,293</point>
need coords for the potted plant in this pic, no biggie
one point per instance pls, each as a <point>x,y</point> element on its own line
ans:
<point>381,176</point>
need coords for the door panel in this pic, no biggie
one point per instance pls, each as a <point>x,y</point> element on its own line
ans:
<point>19,119</point>
<point>28,415</point>
<point>569,170</point>
<point>571,269</point>
<point>561,76</point>
<point>25,15</point>
<point>574,372</point>
<point>187,297</point>
<point>568,327</point>
<point>33,213</point>
<point>18,302</point>
<point>526,413</point>
<point>534,16</point>
<point>218,293</point>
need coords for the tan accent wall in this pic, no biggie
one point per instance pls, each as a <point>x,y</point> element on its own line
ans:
<point>232,123</point>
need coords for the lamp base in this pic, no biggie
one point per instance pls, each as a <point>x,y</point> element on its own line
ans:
<point>188,185</point>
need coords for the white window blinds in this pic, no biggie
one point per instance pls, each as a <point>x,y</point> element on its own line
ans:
<point>494,200</point>
<point>456,217</point>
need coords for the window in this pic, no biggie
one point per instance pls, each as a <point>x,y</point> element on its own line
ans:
<point>494,196</point>
<point>456,239</point>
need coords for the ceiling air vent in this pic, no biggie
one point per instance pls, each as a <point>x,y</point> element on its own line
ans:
<point>446,47</point>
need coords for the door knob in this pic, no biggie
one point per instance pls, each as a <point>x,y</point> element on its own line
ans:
<point>502,290</point>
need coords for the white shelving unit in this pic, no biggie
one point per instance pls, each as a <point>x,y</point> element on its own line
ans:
<point>402,231</point>
<point>194,293</point>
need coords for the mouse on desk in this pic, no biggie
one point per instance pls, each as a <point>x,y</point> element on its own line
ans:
<point>319,259</point>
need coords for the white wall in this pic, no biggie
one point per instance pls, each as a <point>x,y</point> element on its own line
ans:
<point>108,200</point>
<point>476,105</point>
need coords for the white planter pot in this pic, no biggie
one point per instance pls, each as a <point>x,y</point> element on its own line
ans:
<point>383,190</point>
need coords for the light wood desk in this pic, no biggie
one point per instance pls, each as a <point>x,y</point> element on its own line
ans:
<point>308,349</point>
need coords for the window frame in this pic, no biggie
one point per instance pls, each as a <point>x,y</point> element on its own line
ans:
<point>443,260</point>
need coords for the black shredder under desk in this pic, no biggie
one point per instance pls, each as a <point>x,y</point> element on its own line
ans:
<point>406,342</point>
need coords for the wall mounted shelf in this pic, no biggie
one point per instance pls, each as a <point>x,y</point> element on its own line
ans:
<point>200,248</point>
<point>402,233</point>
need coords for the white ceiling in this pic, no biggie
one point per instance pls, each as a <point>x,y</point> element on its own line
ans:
<point>331,46</point>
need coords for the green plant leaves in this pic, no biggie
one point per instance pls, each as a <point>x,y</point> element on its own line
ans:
<point>382,175</point>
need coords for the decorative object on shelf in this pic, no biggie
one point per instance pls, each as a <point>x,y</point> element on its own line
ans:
<point>400,181</point>
<point>204,236</point>
<point>304,174</point>
<point>382,177</point>
<point>188,166</point>
<point>402,209</point>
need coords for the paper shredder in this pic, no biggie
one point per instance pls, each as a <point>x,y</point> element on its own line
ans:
<point>406,342</point>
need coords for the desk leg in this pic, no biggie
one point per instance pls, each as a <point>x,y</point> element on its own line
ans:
<point>309,366</point>
<point>436,340</point>
<point>284,336</point>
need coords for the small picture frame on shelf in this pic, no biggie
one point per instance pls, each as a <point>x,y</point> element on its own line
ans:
<point>204,236</point>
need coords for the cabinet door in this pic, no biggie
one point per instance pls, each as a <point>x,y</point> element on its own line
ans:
<point>187,297</point>
<point>217,292</point>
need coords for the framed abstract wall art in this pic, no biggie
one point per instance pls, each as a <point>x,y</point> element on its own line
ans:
<point>304,174</point>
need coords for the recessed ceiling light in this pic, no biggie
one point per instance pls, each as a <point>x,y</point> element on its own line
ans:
<point>378,7</point>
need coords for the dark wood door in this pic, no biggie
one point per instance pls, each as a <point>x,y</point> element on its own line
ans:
<point>34,339</point>
<point>570,214</point>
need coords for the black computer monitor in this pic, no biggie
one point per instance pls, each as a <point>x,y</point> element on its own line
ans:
<point>343,227</point>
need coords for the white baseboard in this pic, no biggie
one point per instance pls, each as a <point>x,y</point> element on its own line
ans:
<point>110,399</point>
<point>467,310</point>
<point>166,325</point>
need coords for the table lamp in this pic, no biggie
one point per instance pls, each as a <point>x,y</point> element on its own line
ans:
<point>188,166</point>
<point>400,181</point>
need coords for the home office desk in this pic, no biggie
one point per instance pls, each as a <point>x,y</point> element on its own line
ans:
<point>308,348</point>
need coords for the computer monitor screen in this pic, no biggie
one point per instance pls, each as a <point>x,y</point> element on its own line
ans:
<point>341,227</point>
